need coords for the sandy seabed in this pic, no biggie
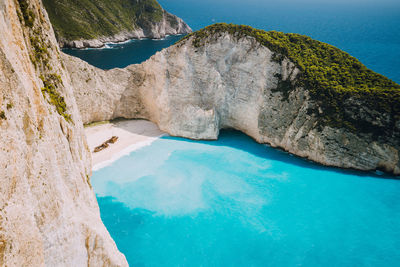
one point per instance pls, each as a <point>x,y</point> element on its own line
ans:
<point>132,135</point>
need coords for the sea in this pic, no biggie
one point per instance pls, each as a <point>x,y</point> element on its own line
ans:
<point>233,202</point>
<point>366,29</point>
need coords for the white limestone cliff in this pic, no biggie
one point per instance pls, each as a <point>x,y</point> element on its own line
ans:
<point>194,92</point>
<point>49,215</point>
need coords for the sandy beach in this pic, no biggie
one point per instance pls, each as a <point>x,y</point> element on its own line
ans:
<point>132,134</point>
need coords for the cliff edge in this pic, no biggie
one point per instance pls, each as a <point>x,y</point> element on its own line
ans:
<point>92,23</point>
<point>48,212</point>
<point>287,90</point>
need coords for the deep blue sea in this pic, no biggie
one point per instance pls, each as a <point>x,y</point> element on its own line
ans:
<point>234,202</point>
<point>367,29</point>
<point>125,54</point>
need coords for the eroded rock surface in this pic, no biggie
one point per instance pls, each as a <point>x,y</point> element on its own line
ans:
<point>235,83</point>
<point>49,215</point>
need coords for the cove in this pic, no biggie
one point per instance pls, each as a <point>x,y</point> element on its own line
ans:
<point>368,30</point>
<point>234,202</point>
<point>121,55</point>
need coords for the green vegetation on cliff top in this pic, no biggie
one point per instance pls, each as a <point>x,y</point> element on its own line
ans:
<point>89,19</point>
<point>40,57</point>
<point>331,75</point>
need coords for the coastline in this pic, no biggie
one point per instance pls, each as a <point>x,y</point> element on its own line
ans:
<point>151,30</point>
<point>113,44</point>
<point>126,36</point>
<point>99,43</point>
<point>132,135</point>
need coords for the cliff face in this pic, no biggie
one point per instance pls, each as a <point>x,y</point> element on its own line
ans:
<point>193,91</point>
<point>48,211</point>
<point>92,23</point>
<point>168,25</point>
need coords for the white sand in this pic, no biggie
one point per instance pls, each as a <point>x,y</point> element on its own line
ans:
<point>132,135</point>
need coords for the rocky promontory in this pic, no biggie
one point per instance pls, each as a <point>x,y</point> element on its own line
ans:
<point>93,23</point>
<point>49,214</point>
<point>287,90</point>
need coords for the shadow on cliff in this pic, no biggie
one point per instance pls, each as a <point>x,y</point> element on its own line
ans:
<point>141,127</point>
<point>239,140</point>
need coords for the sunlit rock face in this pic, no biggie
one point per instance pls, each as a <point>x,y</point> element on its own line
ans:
<point>229,82</point>
<point>48,212</point>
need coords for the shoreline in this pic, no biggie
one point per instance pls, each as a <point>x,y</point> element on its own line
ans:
<point>102,44</point>
<point>132,135</point>
<point>135,134</point>
<point>111,44</point>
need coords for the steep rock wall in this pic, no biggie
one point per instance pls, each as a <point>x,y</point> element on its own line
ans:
<point>48,212</point>
<point>235,83</point>
<point>169,25</point>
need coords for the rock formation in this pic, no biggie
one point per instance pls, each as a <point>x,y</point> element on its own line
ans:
<point>48,212</point>
<point>93,23</point>
<point>229,81</point>
<point>152,30</point>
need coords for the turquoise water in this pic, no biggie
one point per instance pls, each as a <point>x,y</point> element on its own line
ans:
<point>234,202</point>
<point>367,29</point>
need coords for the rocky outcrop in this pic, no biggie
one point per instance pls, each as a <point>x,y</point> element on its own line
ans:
<point>169,25</point>
<point>48,212</point>
<point>194,91</point>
